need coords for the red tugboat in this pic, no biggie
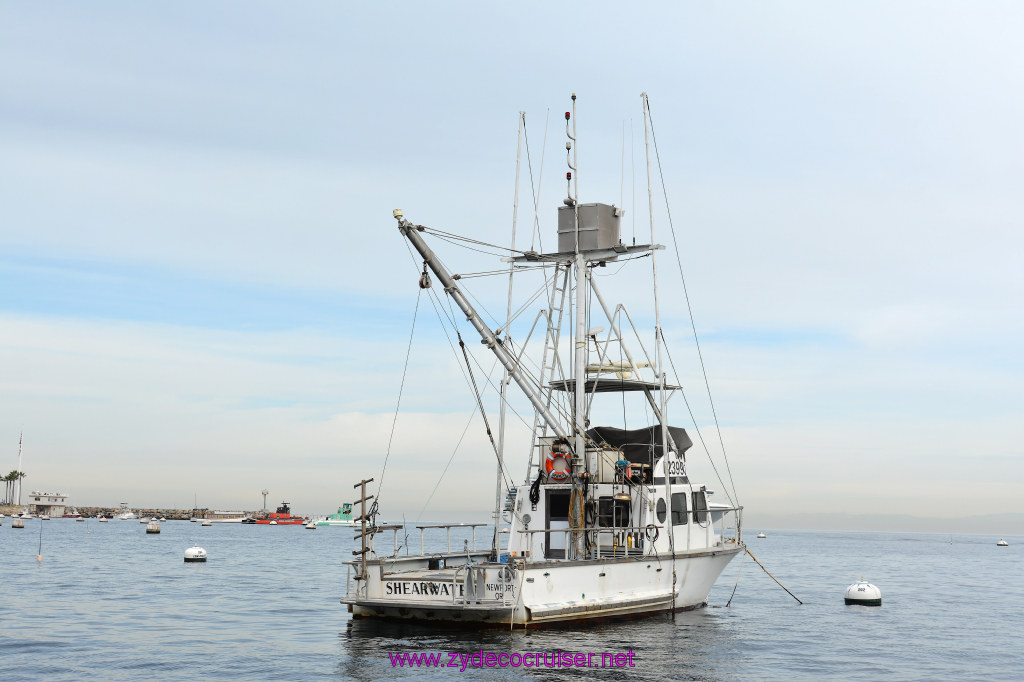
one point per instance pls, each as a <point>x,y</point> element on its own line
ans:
<point>282,517</point>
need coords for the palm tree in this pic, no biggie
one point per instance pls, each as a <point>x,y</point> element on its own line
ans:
<point>9,480</point>
<point>21,475</point>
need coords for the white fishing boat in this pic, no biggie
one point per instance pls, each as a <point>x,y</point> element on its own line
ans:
<point>608,521</point>
<point>343,517</point>
<point>126,513</point>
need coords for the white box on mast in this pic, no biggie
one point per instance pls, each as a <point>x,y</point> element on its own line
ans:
<point>599,227</point>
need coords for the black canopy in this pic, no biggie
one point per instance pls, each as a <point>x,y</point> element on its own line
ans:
<point>640,446</point>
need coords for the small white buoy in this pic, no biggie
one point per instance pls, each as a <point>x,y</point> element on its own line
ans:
<point>144,520</point>
<point>311,525</point>
<point>864,594</point>
<point>1002,543</point>
<point>162,519</point>
<point>18,523</point>
<point>195,554</point>
<point>80,518</point>
<point>103,519</point>
<point>761,535</point>
<point>272,523</point>
<point>44,517</point>
<point>153,527</point>
<point>207,522</point>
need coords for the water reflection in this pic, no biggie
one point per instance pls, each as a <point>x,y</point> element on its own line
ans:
<point>691,645</point>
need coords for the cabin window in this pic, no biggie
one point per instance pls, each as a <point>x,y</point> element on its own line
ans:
<point>612,513</point>
<point>700,507</point>
<point>678,509</point>
<point>558,504</point>
<point>661,510</point>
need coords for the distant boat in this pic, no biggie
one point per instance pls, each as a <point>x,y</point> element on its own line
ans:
<point>281,517</point>
<point>126,513</point>
<point>761,535</point>
<point>342,518</point>
<point>1002,543</point>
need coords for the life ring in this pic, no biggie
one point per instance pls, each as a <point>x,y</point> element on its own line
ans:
<point>561,473</point>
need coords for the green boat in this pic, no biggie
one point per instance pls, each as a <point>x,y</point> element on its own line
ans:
<point>342,518</point>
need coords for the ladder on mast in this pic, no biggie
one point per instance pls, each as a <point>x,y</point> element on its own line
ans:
<point>556,306</point>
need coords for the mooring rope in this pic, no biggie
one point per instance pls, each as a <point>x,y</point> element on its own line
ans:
<point>770,576</point>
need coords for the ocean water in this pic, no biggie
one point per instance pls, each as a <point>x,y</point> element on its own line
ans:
<point>109,602</point>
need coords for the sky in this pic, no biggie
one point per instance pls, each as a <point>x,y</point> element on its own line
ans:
<point>203,293</point>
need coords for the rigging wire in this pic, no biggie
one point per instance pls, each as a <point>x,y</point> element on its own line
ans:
<point>700,435</point>
<point>401,388</point>
<point>689,308</point>
<point>533,189</point>
<point>455,242</point>
<point>453,238</point>
<point>449,314</point>
<point>479,401</point>
<point>451,320</point>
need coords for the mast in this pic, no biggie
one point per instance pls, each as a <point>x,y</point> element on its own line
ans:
<point>508,324</point>
<point>580,266</point>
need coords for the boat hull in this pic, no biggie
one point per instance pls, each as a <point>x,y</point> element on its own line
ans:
<point>599,590</point>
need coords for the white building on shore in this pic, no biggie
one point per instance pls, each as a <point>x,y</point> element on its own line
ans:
<point>51,504</point>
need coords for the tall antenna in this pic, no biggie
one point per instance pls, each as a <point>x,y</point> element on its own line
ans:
<point>572,188</point>
<point>20,475</point>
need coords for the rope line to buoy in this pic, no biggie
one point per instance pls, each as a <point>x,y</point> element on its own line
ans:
<point>770,576</point>
<point>736,586</point>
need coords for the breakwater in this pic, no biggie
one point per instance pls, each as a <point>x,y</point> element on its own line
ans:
<point>169,514</point>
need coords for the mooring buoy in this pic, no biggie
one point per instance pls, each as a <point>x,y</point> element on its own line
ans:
<point>863,593</point>
<point>195,554</point>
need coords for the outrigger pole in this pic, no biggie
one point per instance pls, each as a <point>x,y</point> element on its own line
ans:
<point>496,345</point>
<point>508,326</point>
